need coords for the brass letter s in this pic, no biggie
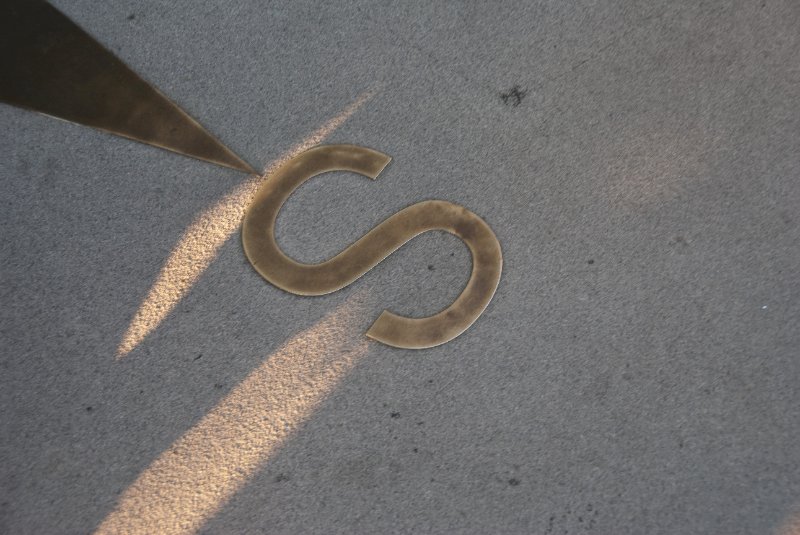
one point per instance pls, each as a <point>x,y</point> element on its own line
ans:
<point>258,237</point>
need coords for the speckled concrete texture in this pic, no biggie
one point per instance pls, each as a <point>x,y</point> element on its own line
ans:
<point>636,372</point>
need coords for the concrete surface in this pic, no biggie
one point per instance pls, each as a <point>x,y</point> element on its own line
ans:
<point>637,371</point>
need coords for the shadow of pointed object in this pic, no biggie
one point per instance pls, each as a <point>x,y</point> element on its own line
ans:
<point>50,65</point>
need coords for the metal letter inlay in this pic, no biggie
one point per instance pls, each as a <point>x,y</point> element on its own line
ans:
<point>258,236</point>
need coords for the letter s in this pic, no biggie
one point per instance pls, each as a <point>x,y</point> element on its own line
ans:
<point>258,237</point>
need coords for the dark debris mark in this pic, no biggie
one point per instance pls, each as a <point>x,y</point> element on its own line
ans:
<point>513,97</point>
<point>430,267</point>
<point>395,415</point>
<point>198,357</point>
<point>581,518</point>
<point>627,376</point>
<point>430,381</point>
<point>513,481</point>
<point>415,450</point>
<point>420,423</point>
<point>452,254</point>
<point>680,240</point>
<point>590,261</point>
<point>131,16</point>
<point>218,385</point>
<point>280,478</point>
<point>89,409</point>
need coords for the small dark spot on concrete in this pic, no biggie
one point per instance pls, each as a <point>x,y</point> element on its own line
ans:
<point>141,391</point>
<point>430,267</point>
<point>416,450</point>
<point>680,240</point>
<point>198,357</point>
<point>395,415</point>
<point>589,507</point>
<point>580,519</point>
<point>420,423</point>
<point>452,254</point>
<point>513,482</point>
<point>131,16</point>
<point>514,96</point>
<point>218,385</point>
<point>590,261</point>
<point>88,409</point>
<point>430,381</point>
<point>280,478</point>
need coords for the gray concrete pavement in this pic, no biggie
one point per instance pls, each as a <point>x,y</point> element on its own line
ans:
<point>637,371</point>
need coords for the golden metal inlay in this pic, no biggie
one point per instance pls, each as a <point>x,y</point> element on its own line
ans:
<point>258,237</point>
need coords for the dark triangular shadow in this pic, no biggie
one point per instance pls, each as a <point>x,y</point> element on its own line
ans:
<point>48,64</point>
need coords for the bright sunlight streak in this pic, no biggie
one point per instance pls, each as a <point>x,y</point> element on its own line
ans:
<point>192,480</point>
